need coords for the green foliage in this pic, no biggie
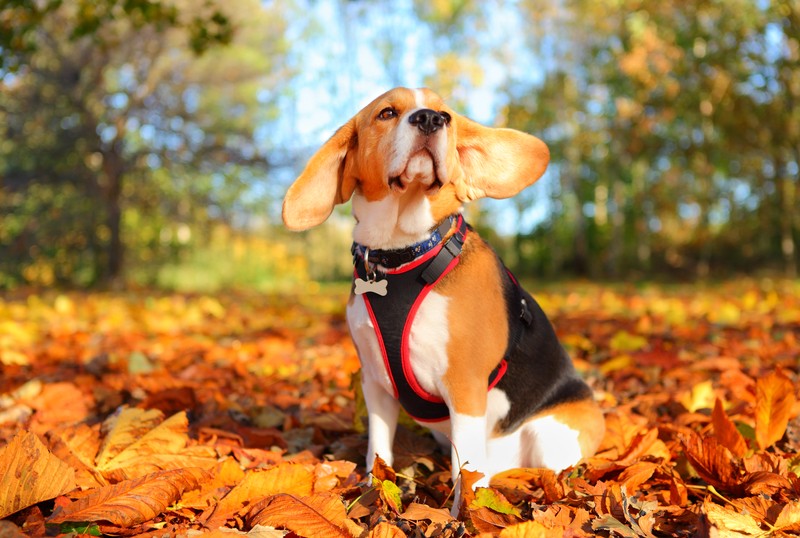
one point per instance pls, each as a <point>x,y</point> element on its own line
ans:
<point>115,130</point>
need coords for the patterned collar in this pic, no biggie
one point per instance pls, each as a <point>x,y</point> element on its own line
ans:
<point>391,259</point>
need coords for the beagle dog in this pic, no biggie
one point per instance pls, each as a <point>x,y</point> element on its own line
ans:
<point>440,325</point>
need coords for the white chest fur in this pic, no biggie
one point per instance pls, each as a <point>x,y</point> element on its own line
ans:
<point>427,344</point>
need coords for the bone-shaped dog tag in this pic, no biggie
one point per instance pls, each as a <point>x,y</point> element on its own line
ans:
<point>371,286</point>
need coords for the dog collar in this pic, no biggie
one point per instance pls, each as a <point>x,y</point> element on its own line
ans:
<point>391,259</point>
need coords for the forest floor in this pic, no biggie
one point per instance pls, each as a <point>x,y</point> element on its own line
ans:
<point>159,414</point>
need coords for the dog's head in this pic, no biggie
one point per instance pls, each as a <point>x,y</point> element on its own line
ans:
<point>409,145</point>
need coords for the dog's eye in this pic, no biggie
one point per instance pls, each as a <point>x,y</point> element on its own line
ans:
<point>446,117</point>
<point>387,113</point>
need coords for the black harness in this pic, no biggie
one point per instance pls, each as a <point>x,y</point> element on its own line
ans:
<point>393,314</point>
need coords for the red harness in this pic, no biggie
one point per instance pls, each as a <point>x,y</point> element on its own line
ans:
<point>392,316</point>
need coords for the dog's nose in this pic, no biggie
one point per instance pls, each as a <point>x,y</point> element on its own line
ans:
<point>428,121</point>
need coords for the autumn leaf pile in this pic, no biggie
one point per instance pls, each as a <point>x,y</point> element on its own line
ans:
<point>167,415</point>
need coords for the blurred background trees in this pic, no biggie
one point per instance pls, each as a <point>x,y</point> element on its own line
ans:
<point>150,141</point>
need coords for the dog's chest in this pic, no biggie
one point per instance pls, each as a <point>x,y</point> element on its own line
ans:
<point>428,336</point>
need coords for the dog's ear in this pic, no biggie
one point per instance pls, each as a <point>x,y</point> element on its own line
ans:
<point>497,163</point>
<point>325,182</point>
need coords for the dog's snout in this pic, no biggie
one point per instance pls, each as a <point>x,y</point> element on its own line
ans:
<point>426,120</point>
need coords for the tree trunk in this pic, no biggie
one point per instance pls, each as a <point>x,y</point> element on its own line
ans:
<point>113,169</point>
<point>788,193</point>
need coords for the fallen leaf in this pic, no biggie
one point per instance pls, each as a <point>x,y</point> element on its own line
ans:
<point>638,473</point>
<point>713,462</point>
<point>774,404</point>
<point>607,522</point>
<point>322,514</point>
<point>386,530</point>
<point>726,519</point>
<point>527,480</point>
<point>131,502</point>
<point>292,478</point>
<point>494,500</point>
<point>487,520</point>
<point>390,494</point>
<point>417,512</point>
<point>726,433</point>
<point>29,473</point>
<point>789,518</point>
<point>532,529</point>
<point>123,429</point>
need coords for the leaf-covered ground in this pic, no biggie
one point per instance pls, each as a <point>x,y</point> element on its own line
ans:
<point>164,415</point>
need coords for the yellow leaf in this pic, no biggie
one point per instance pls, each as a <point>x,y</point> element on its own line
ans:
<point>123,429</point>
<point>789,518</point>
<point>726,519</point>
<point>617,363</point>
<point>531,529</point>
<point>702,396</point>
<point>159,443</point>
<point>625,342</point>
<point>29,473</point>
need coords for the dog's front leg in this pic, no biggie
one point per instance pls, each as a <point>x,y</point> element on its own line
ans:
<point>382,413</point>
<point>468,434</point>
<point>468,437</point>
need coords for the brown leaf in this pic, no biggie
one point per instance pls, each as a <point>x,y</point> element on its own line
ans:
<point>487,520</point>
<point>131,502</point>
<point>774,404</point>
<point>726,433</point>
<point>29,473</point>
<point>322,514</point>
<point>527,480</point>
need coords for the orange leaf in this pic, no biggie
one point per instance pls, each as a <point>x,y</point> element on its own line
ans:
<point>712,461</point>
<point>322,514</point>
<point>774,403</point>
<point>726,432</point>
<point>382,472</point>
<point>131,502</point>
<point>635,475</point>
<point>417,512</point>
<point>284,478</point>
<point>386,530</point>
<point>29,473</point>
